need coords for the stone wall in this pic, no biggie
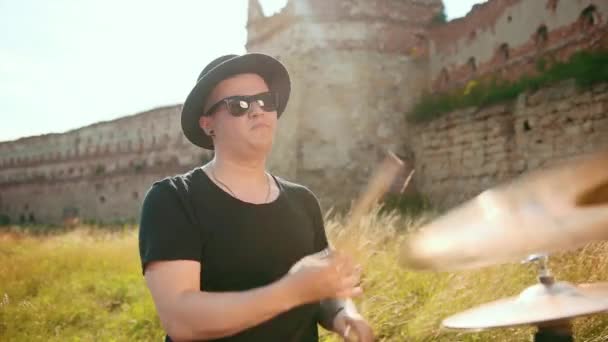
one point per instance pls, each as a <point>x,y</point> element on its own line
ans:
<point>470,150</point>
<point>507,37</point>
<point>99,172</point>
<point>357,66</point>
<point>353,77</point>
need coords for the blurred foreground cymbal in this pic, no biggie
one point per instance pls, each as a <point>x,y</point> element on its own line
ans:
<point>599,289</point>
<point>537,304</point>
<point>563,207</point>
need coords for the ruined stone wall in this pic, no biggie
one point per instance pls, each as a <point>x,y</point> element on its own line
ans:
<point>470,150</point>
<point>357,66</point>
<point>507,37</point>
<point>100,172</point>
<point>353,75</point>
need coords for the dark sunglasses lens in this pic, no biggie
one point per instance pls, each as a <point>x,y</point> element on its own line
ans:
<point>238,107</point>
<point>267,101</point>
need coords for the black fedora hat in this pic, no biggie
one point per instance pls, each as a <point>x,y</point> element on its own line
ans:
<point>270,69</point>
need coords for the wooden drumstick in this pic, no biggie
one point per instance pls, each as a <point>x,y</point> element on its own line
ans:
<point>377,186</point>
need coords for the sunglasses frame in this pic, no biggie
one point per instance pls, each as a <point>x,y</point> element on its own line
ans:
<point>247,98</point>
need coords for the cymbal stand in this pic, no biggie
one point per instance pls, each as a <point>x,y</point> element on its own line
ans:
<point>553,331</point>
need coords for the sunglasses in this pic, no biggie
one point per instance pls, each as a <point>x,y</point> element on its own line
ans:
<point>241,104</point>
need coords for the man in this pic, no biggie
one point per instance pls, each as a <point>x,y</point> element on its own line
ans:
<point>227,248</point>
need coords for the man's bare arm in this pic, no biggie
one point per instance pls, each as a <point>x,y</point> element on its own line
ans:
<point>187,313</point>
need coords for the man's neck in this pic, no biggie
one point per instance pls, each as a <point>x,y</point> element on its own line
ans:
<point>239,171</point>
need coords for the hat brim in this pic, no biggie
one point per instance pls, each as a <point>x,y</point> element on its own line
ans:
<point>270,69</point>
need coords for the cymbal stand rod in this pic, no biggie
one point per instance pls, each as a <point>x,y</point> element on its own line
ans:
<point>544,274</point>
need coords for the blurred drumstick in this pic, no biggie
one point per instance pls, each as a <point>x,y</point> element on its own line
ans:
<point>377,186</point>
<point>407,181</point>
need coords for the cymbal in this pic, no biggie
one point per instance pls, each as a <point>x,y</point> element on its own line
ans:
<point>595,289</point>
<point>535,305</point>
<point>559,208</point>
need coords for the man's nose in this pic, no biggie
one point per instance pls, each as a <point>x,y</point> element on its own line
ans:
<point>255,109</point>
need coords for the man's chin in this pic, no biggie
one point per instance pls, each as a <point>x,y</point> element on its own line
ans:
<point>262,145</point>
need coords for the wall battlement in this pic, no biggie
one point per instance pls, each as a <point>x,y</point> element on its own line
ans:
<point>506,37</point>
<point>389,26</point>
<point>100,171</point>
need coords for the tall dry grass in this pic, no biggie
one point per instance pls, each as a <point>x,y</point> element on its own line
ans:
<point>86,285</point>
<point>404,305</point>
<point>83,285</point>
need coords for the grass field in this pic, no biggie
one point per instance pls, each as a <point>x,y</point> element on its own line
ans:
<point>85,285</point>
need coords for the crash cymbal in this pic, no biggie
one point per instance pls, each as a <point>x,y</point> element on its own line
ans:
<point>536,305</point>
<point>595,289</point>
<point>560,208</point>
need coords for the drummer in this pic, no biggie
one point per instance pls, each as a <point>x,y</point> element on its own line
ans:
<point>217,242</point>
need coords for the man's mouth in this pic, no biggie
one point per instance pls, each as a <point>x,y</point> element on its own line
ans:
<point>260,125</point>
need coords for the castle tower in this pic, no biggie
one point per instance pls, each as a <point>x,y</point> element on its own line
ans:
<point>356,67</point>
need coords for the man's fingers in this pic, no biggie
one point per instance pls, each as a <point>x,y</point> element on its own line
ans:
<point>345,264</point>
<point>351,292</point>
<point>350,335</point>
<point>351,281</point>
<point>362,330</point>
<point>347,332</point>
<point>357,272</point>
<point>364,333</point>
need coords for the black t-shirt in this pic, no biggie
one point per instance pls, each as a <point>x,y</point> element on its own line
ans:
<point>240,245</point>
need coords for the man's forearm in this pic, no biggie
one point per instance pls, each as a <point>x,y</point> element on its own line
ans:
<point>207,315</point>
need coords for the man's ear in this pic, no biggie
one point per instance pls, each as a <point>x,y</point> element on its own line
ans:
<point>205,123</point>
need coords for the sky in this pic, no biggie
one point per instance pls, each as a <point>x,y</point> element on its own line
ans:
<point>65,64</point>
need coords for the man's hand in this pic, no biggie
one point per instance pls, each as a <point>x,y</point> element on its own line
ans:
<point>317,277</point>
<point>353,327</point>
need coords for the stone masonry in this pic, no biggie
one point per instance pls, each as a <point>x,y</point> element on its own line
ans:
<point>467,151</point>
<point>353,78</point>
<point>357,67</point>
<point>507,37</point>
<point>98,173</point>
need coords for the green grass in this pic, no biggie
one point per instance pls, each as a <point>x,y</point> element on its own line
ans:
<point>83,285</point>
<point>86,285</point>
<point>586,68</point>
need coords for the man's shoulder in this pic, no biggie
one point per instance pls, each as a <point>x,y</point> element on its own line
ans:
<point>300,190</point>
<point>180,183</point>
<point>292,186</point>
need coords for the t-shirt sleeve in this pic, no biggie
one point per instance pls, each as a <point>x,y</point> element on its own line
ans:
<point>166,231</point>
<point>314,210</point>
